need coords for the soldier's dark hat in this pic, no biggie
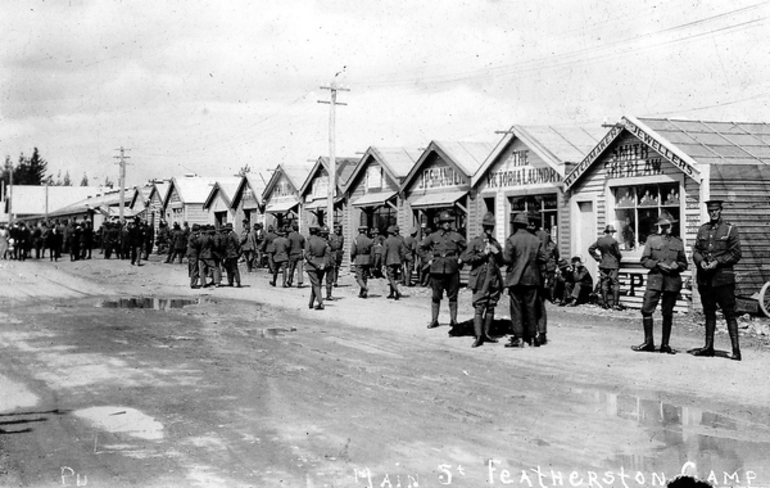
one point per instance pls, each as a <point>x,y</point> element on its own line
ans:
<point>488,220</point>
<point>228,225</point>
<point>324,230</point>
<point>362,227</point>
<point>414,230</point>
<point>396,229</point>
<point>563,263</point>
<point>714,202</point>
<point>391,229</point>
<point>196,227</point>
<point>610,228</point>
<point>445,217</point>
<point>521,218</point>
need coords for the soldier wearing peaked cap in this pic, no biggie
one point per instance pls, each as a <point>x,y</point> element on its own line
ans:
<point>443,249</point>
<point>280,256</point>
<point>606,251</point>
<point>336,243</point>
<point>361,258</point>
<point>717,249</point>
<point>317,255</point>
<point>232,253</point>
<point>485,256</point>
<point>665,258</point>
<point>524,255</point>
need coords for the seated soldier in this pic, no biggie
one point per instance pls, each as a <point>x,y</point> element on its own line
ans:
<point>578,291</point>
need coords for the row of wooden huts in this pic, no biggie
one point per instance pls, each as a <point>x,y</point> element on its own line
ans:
<point>575,179</point>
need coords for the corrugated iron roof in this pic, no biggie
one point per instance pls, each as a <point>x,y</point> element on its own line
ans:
<point>565,144</point>
<point>469,156</point>
<point>31,199</point>
<point>195,190</point>
<point>399,160</point>
<point>714,142</point>
<point>297,173</point>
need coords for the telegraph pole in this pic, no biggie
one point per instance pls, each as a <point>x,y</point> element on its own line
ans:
<point>10,196</point>
<point>122,163</point>
<point>332,168</point>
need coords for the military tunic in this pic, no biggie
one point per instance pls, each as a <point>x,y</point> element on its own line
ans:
<point>361,257</point>
<point>485,278</point>
<point>664,256</point>
<point>524,254</point>
<point>318,257</point>
<point>443,250</point>
<point>718,243</point>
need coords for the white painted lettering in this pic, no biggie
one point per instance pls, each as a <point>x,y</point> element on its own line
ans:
<point>593,479</point>
<point>575,479</point>
<point>445,478</point>
<point>659,479</point>
<point>365,475</point>
<point>734,478</point>
<point>609,478</point>
<point>623,476</point>
<point>556,478</point>
<point>386,482</point>
<point>540,476</point>
<point>505,477</point>
<point>66,473</point>
<point>712,478</point>
<point>525,477</point>
<point>639,478</point>
<point>491,470</point>
<point>750,476</point>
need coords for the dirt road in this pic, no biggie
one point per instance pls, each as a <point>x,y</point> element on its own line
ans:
<point>247,387</point>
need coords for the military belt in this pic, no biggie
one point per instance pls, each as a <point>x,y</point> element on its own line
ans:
<point>444,254</point>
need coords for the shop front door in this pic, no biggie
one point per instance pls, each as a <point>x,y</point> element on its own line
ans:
<point>586,235</point>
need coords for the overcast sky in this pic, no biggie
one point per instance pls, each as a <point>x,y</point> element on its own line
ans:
<point>209,87</point>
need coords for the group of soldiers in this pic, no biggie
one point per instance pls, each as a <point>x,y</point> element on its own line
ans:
<point>717,249</point>
<point>19,240</point>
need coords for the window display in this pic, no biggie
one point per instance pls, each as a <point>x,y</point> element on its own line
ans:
<point>637,209</point>
<point>545,206</point>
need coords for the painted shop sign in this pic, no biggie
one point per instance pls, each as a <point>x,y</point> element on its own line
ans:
<point>441,177</point>
<point>587,161</point>
<point>631,160</point>
<point>646,138</point>
<point>517,171</point>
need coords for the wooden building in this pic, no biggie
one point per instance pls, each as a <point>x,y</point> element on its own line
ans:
<point>525,173</point>
<point>140,203</point>
<point>374,189</point>
<point>281,194</point>
<point>218,204</point>
<point>247,201</point>
<point>441,180</point>
<point>185,198</point>
<point>314,192</point>
<point>644,166</point>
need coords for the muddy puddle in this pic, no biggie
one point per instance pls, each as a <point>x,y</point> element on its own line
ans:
<point>151,303</point>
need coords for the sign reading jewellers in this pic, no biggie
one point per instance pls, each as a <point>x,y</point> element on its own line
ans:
<point>516,170</point>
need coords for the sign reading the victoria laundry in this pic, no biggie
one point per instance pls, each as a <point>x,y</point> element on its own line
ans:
<point>441,176</point>
<point>517,170</point>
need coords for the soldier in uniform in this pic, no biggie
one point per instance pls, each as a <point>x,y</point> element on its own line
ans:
<point>485,255</point>
<point>443,249</point>
<point>377,251</point>
<point>280,256</point>
<point>206,263</point>
<point>361,258</point>
<point>665,258</point>
<point>717,249</point>
<point>524,254</point>
<point>296,252</point>
<point>336,242</point>
<point>608,257</point>
<point>393,257</point>
<point>193,255</point>
<point>231,254</point>
<point>248,245</point>
<point>268,248</point>
<point>411,243</point>
<point>318,257</point>
<point>135,240</point>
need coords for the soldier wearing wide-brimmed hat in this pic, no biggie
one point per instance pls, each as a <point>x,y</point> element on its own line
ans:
<point>524,254</point>
<point>606,252</point>
<point>361,258</point>
<point>665,258</point>
<point>280,256</point>
<point>411,242</point>
<point>442,249</point>
<point>393,256</point>
<point>717,249</point>
<point>485,256</point>
<point>317,257</point>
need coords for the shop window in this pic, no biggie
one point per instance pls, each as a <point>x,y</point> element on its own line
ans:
<point>638,207</point>
<point>545,207</point>
<point>489,203</point>
<point>383,217</point>
<point>220,219</point>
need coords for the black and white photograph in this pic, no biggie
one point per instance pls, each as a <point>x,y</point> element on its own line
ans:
<point>337,243</point>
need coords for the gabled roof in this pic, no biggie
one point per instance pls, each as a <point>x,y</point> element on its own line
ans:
<point>141,194</point>
<point>343,166</point>
<point>226,188</point>
<point>555,145</point>
<point>253,182</point>
<point>295,173</point>
<point>194,189</point>
<point>716,142</point>
<point>31,199</point>
<point>467,157</point>
<point>397,161</point>
<point>160,189</point>
<point>99,203</point>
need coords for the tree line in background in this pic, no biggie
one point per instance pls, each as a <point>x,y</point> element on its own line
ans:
<point>32,171</point>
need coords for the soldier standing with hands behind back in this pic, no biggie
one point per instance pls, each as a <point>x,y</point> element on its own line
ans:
<point>609,266</point>
<point>443,249</point>
<point>665,258</point>
<point>717,249</point>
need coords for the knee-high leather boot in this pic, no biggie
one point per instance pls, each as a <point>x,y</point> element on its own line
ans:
<point>649,343</point>
<point>478,327</point>
<point>666,335</point>
<point>455,327</point>
<point>488,319</point>
<point>732,329</point>
<point>434,308</point>
<point>708,349</point>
